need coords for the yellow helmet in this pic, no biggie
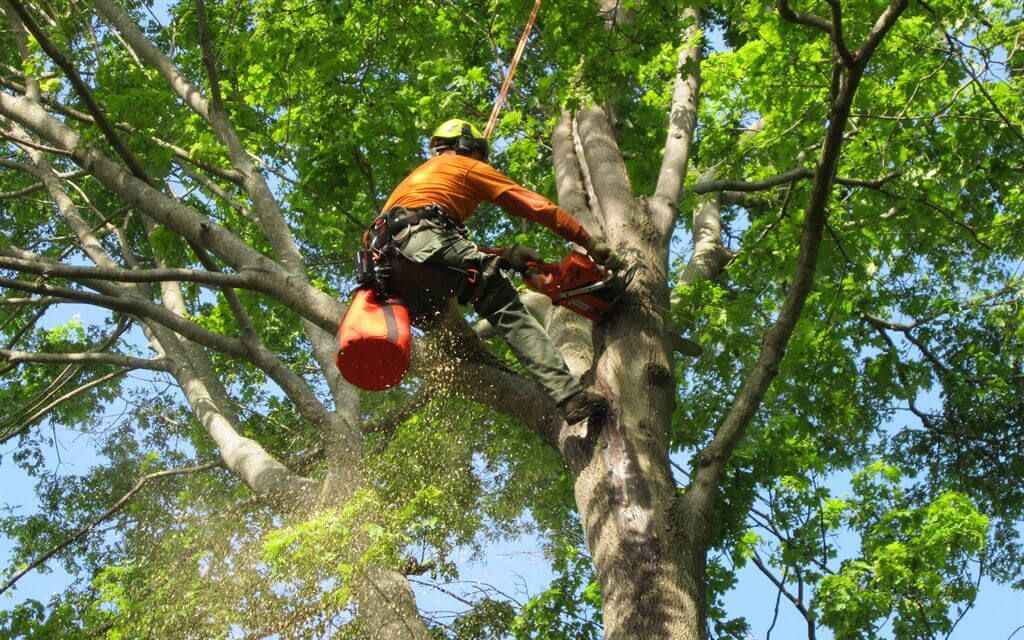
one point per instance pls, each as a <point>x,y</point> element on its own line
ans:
<point>459,135</point>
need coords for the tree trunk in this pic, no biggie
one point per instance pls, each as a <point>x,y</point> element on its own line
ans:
<point>652,585</point>
<point>626,492</point>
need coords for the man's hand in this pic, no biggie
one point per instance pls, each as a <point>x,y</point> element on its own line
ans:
<point>519,254</point>
<point>604,256</point>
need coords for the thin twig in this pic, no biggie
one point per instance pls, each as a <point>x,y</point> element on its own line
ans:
<point>92,524</point>
<point>83,92</point>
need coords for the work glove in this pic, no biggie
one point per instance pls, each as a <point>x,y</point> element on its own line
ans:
<point>519,254</point>
<point>604,256</point>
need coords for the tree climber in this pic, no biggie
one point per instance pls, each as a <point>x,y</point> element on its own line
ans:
<point>431,260</point>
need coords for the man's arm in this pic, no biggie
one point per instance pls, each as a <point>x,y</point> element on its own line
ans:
<point>494,186</point>
<point>524,203</point>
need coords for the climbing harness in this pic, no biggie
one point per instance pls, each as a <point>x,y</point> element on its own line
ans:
<point>381,264</point>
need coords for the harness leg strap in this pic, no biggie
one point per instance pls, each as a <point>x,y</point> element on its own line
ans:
<point>491,289</point>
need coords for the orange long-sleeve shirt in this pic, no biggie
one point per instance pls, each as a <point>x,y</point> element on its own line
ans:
<point>459,184</point>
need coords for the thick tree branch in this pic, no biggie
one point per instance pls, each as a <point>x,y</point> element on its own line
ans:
<point>572,193</point>
<point>682,120</point>
<point>308,302</point>
<point>709,253</point>
<point>95,522</point>
<point>271,217</point>
<point>604,161</point>
<point>710,256</point>
<point>205,393</point>
<point>481,377</point>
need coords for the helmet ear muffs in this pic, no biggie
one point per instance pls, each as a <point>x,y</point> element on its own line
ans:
<point>465,144</point>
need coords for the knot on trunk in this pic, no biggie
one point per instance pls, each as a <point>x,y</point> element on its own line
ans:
<point>657,374</point>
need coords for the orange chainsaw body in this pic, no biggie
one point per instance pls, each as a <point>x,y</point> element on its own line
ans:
<point>576,283</point>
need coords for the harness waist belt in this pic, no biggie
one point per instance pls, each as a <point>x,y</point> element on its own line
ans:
<point>398,219</point>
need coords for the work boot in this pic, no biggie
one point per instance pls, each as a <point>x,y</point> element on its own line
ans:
<point>582,404</point>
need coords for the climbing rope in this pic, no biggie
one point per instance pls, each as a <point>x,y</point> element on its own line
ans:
<point>511,70</point>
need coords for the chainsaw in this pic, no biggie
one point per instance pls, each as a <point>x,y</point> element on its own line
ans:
<point>577,283</point>
<point>582,286</point>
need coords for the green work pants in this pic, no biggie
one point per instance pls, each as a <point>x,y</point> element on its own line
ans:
<point>431,243</point>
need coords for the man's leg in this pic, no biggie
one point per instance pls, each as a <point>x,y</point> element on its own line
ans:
<point>501,306</point>
<point>496,300</point>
